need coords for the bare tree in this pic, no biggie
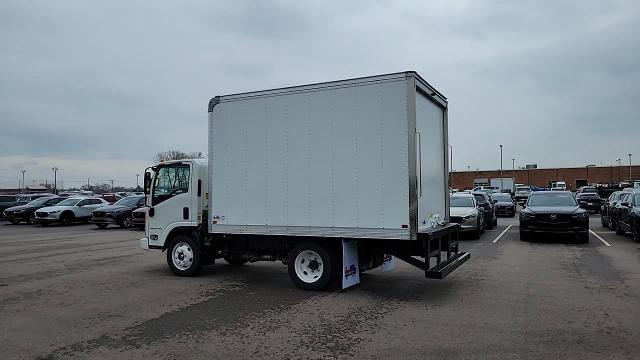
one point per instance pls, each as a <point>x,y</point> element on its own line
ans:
<point>177,155</point>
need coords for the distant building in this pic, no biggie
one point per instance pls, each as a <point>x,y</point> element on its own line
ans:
<point>573,176</point>
<point>531,166</point>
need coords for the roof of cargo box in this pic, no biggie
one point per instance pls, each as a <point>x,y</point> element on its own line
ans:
<point>423,86</point>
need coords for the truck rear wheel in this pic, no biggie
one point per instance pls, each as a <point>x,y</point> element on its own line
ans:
<point>312,266</point>
<point>183,256</point>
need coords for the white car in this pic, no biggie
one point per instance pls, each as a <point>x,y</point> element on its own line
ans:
<point>69,210</point>
<point>464,210</point>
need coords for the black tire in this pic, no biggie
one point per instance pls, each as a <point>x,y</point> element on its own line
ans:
<point>602,222</point>
<point>189,264</point>
<point>635,233</point>
<point>328,262</point>
<point>489,224</point>
<point>495,222</point>
<point>140,227</point>
<point>31,219</point>
<point>126,221</point>
<point>583,238</point>
<point>612,224</point>
<point>524,236</point>
<point>235,260</point>
<point>102,226</point>
<point>619,230</point>
<point>66,218</point>
<point>14,222</point>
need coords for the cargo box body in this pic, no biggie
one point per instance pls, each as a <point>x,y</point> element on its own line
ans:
<point>361,158</point>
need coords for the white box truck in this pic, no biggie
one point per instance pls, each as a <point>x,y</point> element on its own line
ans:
<point>504,184</point>
<point>331,179</point>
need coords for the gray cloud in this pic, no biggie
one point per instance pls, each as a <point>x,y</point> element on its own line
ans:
<point>95,83</point>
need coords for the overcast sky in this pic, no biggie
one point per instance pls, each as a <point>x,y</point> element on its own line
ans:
<point>97,88</point>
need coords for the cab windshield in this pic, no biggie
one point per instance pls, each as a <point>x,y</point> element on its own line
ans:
<point>170,181</point>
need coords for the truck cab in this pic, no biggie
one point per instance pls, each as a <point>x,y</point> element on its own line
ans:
<point>176,198</point>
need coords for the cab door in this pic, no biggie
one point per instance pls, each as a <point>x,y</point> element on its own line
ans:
<point>170,201</point>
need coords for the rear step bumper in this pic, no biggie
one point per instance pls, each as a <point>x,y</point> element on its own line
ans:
<point>441,270</point>
<point>447,266</point>
<point>438,243</point>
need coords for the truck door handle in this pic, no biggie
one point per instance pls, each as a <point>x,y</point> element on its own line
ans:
<point>185,213</point>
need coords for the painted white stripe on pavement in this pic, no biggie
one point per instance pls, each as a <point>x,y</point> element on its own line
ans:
<point>599,238</point>
<point>502,233</point>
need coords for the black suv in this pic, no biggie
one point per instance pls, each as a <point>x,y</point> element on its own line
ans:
<point>7,201</point>
<point>487,204</point>
<point>27,212</point>
<point>553,212</point>
<point>627,214</point>
<point>120,213</point>
<point>589,199</point>
<point>607,208</point>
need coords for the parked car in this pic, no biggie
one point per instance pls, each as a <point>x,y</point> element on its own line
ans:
<point>120,213</point>
<point>627,218</point>
<point>139,217</point>
<point>553,212</point>
<point>27,212</point>
<point>26,198</point>
<point>110,198</point>
<point>7,201</point>
<point>69,210</point>
<point>505,204</point>
<point>607,207</point>
<point>588,198</point>
<point>522,193</point>
<point>464,210</point>
<point>485,200</point>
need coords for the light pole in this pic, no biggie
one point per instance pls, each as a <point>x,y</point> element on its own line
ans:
<point>630,168</point>
<point>55,180</point>
<point>23,171</point>
<point>501,184</point>
<point>587,167</point>
<point>513,170</point>
<point>137,183</point>
<point>619,165</point>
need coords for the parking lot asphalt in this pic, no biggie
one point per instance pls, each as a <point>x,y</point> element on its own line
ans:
<point>79,292</point>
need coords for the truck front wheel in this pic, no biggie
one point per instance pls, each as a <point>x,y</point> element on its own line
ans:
<point>312,266</point>
<point>183,256</point>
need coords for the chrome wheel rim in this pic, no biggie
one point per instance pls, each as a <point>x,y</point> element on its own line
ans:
<point>182,256</point>
<point>309,267</point>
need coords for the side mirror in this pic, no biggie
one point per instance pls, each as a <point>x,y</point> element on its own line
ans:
<point>147,182</point>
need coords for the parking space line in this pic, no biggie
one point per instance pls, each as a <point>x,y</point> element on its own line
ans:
<point>502,233</point>
<point>599,238</point>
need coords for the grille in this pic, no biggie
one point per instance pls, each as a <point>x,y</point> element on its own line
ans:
<point>42,214</point>
<point>559,218</point>
<point>456,219</point>
<point>98,213</point>
<point>138,214</point>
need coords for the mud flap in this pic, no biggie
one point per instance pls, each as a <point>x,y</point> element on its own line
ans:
<point>350,266</point>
